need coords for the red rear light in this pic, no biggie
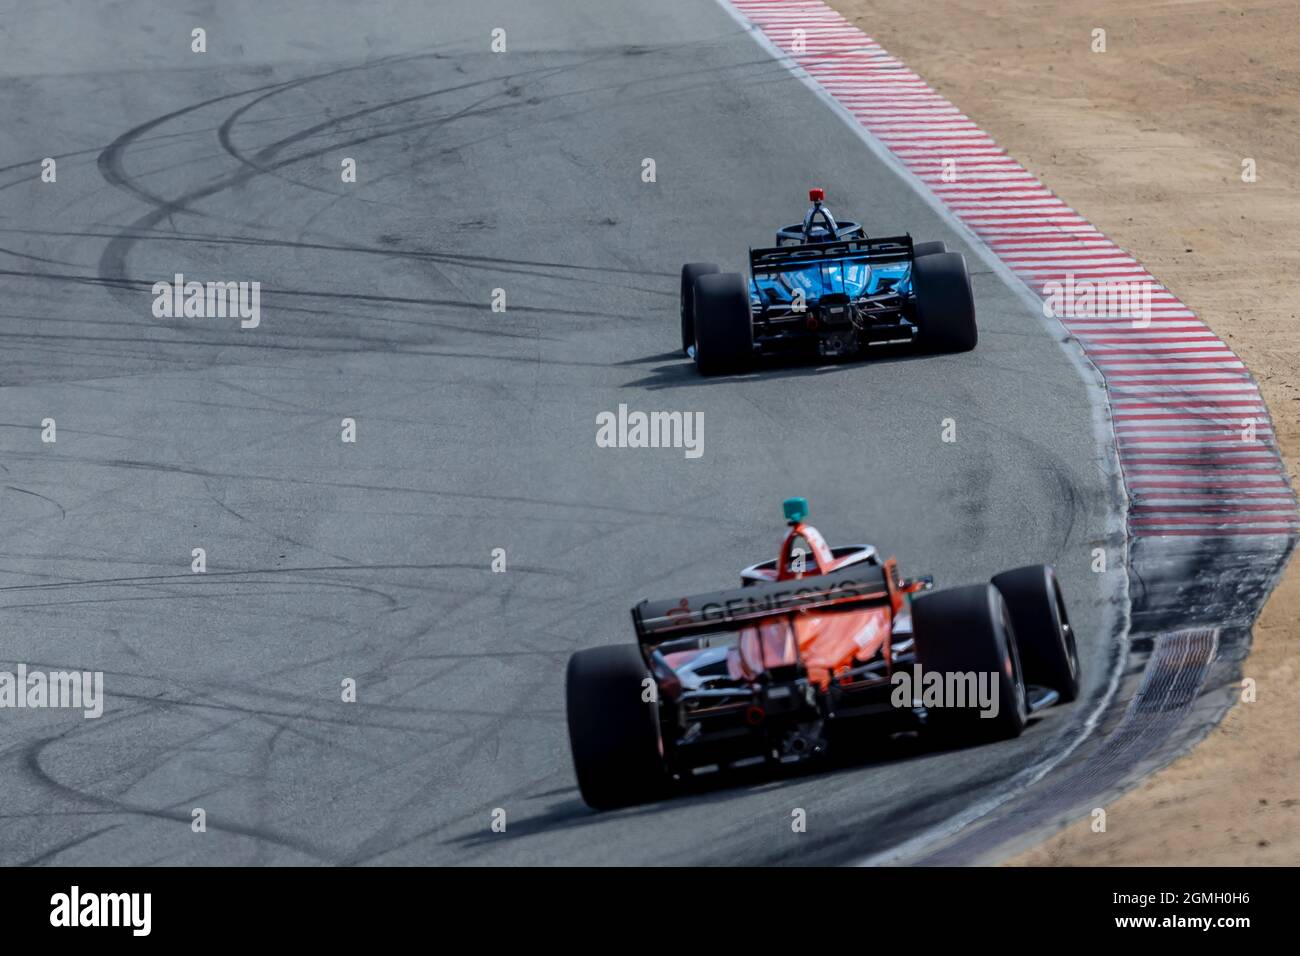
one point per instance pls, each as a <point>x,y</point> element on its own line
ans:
<point>816,195</point>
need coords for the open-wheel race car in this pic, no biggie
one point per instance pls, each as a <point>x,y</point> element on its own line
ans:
<point>826,290</point>
<point>816,643</point>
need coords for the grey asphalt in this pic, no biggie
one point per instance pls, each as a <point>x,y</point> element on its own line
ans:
<point>475,429</point>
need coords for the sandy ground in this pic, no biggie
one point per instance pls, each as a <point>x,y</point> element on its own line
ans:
<point>1147,140</point>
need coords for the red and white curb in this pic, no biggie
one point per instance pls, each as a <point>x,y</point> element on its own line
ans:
<point>1195,442</point>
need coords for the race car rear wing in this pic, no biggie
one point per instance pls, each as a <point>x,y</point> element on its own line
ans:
<point>784,258</point>
<point>659,621</point>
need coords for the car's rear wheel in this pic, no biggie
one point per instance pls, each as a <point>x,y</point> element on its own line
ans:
<point>1046,642</point>
<point>945,305</point>
<point>965,635</point>
<point>928,249</point>
<point>613,730</point>
<point>724,331</point>
<point>690,272</point>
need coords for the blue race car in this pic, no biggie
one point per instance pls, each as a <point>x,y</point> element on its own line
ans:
<point>826,290</point>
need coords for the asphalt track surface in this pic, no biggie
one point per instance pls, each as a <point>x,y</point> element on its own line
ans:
<point>476,430</point>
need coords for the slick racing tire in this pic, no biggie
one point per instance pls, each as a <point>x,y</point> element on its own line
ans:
<point>724,332</point>
<point>967,631</point>
<point>690,272</point>
<point>1044,637</point>
<point>945,305</point>
<point>613,732</point>
<point>928,249</point>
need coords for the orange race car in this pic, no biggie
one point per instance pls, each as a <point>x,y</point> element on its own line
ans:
<point>814,643</point>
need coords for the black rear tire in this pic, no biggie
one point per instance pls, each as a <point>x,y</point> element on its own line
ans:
<point>968,631</point>
<point>1044,637</point>
<point>613,732</point>
<point>928,249</point>
<point>724,331</point>
<point>690,272</point>
<point>945,305</point>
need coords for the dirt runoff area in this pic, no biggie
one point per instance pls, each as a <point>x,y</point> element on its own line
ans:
<point>1147,140</point>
